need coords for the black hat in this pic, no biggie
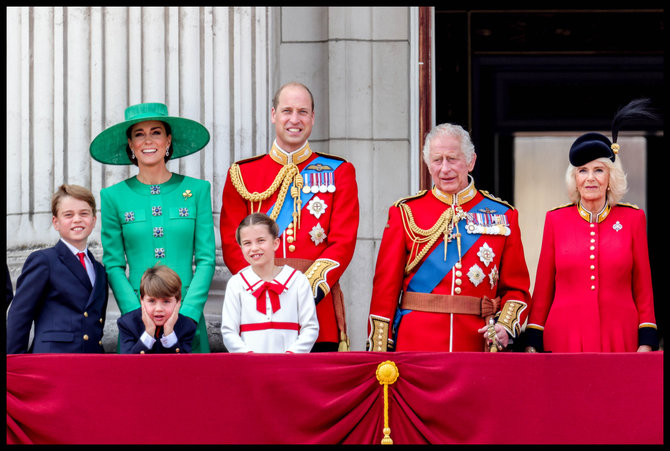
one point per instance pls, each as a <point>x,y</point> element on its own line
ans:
<point>591,146</point>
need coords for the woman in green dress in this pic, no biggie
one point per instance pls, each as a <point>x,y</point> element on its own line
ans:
<point>157,216</point>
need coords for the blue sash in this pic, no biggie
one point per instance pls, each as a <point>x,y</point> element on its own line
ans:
<point>434,268</point>
<point>285,216</point>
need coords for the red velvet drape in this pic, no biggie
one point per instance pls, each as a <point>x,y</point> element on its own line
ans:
<point>335,398</point>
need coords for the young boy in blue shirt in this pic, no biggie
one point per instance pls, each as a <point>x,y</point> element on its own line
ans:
<point>157,327</point>
<point>62,289</point>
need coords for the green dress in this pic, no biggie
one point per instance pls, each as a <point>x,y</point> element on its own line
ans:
<point>170,223</point>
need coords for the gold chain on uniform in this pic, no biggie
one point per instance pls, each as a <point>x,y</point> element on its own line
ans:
<point>443,227</point>
<point>289,173</point>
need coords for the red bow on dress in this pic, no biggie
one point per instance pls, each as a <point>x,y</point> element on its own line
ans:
<point>274,289</point>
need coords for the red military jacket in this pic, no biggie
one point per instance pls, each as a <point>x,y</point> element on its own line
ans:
<point>593,290</point>
<point>325,230</point>
<point>491,264</point>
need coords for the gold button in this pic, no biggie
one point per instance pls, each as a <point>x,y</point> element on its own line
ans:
<point>592,257</point>
<point>458,281</point>
<point>100,343</point>
<point>289,232</point>
<point>85,314</point>
<point>593,233</point>
<point>593,240</point>
<point>290,225</point>
<point>141,352</point>
<point>592,225</point>
<point>290,239</point>
<point>291,248</point>
<point>458,265</point>
<point>593,277</point>
<point>593,287</point>
<point>176,350</point>
<point>592,248</point>
<point>592,267</point>
<point>100,320</point>
<point>457,290</point>
<point>459,274</point>
<point>85,337</point>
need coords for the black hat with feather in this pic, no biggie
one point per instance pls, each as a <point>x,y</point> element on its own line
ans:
<point>591,146</point>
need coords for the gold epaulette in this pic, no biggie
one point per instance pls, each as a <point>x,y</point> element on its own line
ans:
<point>625,204</point>
<point>562,206</point>
<point>497,199</point>
<point>402,200</point>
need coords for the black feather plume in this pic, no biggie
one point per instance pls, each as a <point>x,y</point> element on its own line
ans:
<point>635,111</point>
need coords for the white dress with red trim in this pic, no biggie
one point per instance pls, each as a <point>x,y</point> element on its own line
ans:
<point>269,317</point>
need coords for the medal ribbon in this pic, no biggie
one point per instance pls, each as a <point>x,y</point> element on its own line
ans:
<point>285,216</point>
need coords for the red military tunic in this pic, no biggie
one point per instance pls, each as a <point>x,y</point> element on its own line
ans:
<point>593,287</point>
<point>325,231</point>
<point>491,265</point>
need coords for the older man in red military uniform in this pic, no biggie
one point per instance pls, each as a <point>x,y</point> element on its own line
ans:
<point>450,260</point>
<point>313,198</point>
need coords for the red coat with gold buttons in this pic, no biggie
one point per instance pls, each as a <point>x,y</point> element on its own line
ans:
<point>325,233</point>
<point>593,287</point>
<point>492,264</point>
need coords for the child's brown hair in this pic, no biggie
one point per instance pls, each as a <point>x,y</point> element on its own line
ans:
<point>76,191</point>
<point>160,282</point>
<point>256,219</point>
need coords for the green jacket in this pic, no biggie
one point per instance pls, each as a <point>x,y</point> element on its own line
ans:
<point>170,223</point>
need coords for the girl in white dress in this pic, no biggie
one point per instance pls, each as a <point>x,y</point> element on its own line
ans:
<point>267,308</point>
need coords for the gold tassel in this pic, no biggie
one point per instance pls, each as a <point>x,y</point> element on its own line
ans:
<point>387,373</point>
<point>344,343</point>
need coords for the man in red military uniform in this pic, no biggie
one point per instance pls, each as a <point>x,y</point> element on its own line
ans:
<point>450,260</point>
<point>313,198</point>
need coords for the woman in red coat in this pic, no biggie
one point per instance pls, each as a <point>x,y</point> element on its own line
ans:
<point>593,290</point>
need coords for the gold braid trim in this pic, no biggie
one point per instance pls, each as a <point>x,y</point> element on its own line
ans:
<point>442,228</point>
<point>284,178</point>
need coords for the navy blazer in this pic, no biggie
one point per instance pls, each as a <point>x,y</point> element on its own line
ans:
<point>131,328</point>
<point>55,293</point>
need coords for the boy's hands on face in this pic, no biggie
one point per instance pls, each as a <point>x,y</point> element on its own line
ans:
<point>168,327</point>
<point>149,325</point>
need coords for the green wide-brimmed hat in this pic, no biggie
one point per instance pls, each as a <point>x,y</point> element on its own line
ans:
<point>188,136</point>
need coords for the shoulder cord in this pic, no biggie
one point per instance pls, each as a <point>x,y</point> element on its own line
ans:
<point>443,227</point>
<point>289,173</point>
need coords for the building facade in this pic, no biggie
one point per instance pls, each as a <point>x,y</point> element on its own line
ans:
<point>71,72</point>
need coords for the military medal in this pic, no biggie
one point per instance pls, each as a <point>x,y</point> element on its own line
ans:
<point>317,206</point>
<point>493,276</point>
<point>331,185</point>
<point>315,185</point>
<point>476,275</point>
<point>487,224</point>
<point>323,187</point>
<point>306,188</point>
<point>486,254</point>
<point>317,234</point>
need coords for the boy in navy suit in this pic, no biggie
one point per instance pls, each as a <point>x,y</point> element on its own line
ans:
<point>62,289</point>
<point>157,327</point>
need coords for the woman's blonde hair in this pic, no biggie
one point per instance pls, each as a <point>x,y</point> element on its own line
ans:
<point>618,184</point>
